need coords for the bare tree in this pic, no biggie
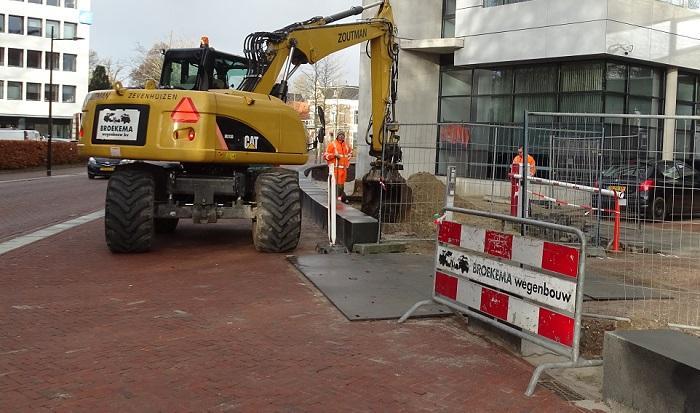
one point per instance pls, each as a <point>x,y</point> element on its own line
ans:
<point>313,81</point>
<point>148,63</point>
<point>114,68</point>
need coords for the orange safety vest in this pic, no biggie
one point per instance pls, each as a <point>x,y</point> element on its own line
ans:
<point>518,160</point>
<point>342,150</point>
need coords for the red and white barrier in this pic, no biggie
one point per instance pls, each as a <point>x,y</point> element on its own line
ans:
<point>559,259</point>
<point>513,310</point>
<point>516,176</point>
<point>530,288</point>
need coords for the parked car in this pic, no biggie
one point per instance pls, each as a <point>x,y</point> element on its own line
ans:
<point>653,190</point>
<point>20,135</point>
<point>101,166</point>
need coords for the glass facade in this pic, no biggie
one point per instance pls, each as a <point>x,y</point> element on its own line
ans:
<point>449,8</point>
<point>501,95</point>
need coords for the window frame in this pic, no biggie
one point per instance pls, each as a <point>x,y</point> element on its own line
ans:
<point>21,57</point>
<point>41,27</point>
<point>38,92</point>
<point>21,89</point>
<point>63,93</point>
<point>21,32</point>
<point>41,57</point>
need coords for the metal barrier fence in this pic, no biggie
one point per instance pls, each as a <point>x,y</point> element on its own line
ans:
<point>530,288</point>
<point>655,279</point>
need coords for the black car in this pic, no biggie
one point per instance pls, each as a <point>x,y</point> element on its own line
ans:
<point>101,166</point>
<point>653,190</point>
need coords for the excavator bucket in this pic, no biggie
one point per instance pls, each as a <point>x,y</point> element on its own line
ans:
<point>386,193</point>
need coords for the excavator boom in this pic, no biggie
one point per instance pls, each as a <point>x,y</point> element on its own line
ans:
<point>271,54</point>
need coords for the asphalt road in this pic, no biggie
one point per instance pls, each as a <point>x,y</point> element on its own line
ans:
<point>30,201</point>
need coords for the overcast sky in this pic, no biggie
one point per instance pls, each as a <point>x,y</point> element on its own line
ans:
<point>118,26</point>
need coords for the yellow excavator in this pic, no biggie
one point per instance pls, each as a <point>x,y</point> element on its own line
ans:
<point>206,142</point>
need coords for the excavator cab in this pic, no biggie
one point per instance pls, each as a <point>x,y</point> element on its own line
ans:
<point>202,68</point>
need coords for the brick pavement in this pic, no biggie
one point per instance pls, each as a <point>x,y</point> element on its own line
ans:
<point>205,323</point>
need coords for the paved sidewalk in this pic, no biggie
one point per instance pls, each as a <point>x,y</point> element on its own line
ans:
<point>40,172</point>
<point>205,323</point>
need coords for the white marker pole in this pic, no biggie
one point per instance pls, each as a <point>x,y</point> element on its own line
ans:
<point>331,203</point>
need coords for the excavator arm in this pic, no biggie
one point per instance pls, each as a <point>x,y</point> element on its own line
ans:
<point>274,56</point>
<point>271,54</point>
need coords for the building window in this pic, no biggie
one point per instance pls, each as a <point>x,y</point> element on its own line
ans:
<point>36,1</point>
<point>68,94</point>
<point>33,26</point>
<point>2,23</point>
<point>448,18</point>
<point>70,30</point>
<point>15,57</point>
<point>501,95</point>
<point>15,25</point>
<point>56,58</point>
<point>14,90</point>
<point>69,62</point>
<point>2,89</point>
<point>2,56</point>
<point>53,26</point>
<point>53,3</point>
<point>34,59</point>
<point>54,94</point>
<point>70,4</point>
<point>34,92</point>
<point>492,3</point>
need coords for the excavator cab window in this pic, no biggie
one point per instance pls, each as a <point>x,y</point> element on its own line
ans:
<point>228,71</point>
<point>181,70</point>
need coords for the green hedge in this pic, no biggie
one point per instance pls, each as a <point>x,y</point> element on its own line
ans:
<point>28,154</point>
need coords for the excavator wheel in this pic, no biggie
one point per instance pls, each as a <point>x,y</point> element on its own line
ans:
<point>390,191</point>
<point>129,224</point>
<point>277,219</point>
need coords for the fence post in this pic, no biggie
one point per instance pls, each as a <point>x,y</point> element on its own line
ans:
<point>332,199</point>
<point>616,227</point>
<point>525,213</point>
<point>514,190</point>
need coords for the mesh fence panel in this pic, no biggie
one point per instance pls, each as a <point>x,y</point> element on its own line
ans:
<point>655,277</point>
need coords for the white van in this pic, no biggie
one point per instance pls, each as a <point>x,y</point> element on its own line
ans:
<point>19,135</point>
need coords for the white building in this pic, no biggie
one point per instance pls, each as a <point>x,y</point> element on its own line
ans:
<point>341,112</point>
<point>25,44</point>
<point>487,61</point>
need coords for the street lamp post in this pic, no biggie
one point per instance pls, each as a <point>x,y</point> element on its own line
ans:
<point>48,147</point>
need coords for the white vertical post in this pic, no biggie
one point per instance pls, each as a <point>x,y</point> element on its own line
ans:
<point>521,170</point>
<point>332,198</point>
<point>450,190</point>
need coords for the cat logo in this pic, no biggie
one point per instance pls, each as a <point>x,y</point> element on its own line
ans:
<point>250,142</point>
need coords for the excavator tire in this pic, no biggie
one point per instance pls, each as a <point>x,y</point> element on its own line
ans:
<point>129,224</point>
<point>165,225</point>
<point>277,219</point>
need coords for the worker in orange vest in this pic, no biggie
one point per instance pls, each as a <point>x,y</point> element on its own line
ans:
<point>518,160</point>
<point>338,153</point>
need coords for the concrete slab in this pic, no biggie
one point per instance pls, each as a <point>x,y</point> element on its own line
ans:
<point>652,370</point>
<point>382,248</point>
<point>372,287</point>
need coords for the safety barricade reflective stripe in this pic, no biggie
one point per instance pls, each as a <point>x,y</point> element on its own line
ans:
<point>538,320</point>
<point>560,259</point>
